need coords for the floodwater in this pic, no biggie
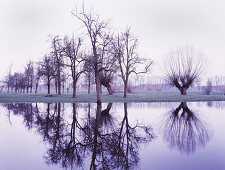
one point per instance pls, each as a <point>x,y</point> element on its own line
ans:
<point>152,136</point>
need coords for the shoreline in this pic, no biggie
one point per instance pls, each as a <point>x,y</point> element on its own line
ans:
<point>141,97</point>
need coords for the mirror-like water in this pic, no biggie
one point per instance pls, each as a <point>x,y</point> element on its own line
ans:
<point>157,136</point>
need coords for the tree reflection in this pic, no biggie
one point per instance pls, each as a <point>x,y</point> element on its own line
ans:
<point>96,137</point>
<point>117,148</point>
<point>27,110</point>
<point>127,141</point>
<point>184,131</point>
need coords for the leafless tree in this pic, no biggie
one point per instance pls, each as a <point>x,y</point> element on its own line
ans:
<point>106,78</point>
<point>37,76</point>
<point>8,78</point>
<point>89,76</point>
<point>72,50</point>
<point>96,30</point>
<point>47,70</point>
<point>208,88</point>
<point>57,54</point>
<point>183,68</point>
<point>125,51</point>
<point>29,74</point>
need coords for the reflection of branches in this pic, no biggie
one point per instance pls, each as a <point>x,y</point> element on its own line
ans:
<point>45,122</point>
<point>63,143</point>
<point>97,137</point>
<point>184,130</point>
<point>27,110</point>
<point>73,151</point>
<point>128,140</point>
<point>119,147</point>
<point>106,119</point>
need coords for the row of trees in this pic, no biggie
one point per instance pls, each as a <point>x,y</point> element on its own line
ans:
<point>100,55</point>
<point>25,81</point>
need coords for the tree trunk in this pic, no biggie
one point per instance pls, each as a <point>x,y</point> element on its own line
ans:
<point>98,89</point>
<point>36,88</point>
<point>48,88</point>
<point>31,87</point>
<point>89,86</point>
<point>89,83</point>
<point>183,91</point>
<point>125,90</point>
<point>101,88</point>
<point>109,90</point>
<point>59,82</point>
<point>74,89</point>
<point>56,87</point>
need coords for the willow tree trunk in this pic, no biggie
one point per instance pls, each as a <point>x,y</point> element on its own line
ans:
<point>183,91</point>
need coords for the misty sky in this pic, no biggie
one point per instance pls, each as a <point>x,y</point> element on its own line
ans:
<point>161,25</point>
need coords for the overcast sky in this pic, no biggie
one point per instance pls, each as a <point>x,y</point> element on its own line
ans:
<point>161,25</point>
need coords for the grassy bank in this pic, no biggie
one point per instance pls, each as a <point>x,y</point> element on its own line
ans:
<point>117,97</point>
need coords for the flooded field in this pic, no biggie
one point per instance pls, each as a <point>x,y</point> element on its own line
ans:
<point>157,136</point>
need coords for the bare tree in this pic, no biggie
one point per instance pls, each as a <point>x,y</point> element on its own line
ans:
<point>183,68</point>
<point>96,30</point>
<point>37,76</point>
<point>57,54</point>
<point>125,50</point>
<point>208,88</point>
<point>72,50</point>
<point>47,70</point>
<point>8,78</point>
<point>89,76</point>
<point>106,78</point>
<point>29,74</point>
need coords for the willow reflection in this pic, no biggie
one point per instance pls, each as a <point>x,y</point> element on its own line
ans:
<point>184,131</point>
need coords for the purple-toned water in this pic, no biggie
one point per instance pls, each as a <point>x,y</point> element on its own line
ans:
<point>157,136</point>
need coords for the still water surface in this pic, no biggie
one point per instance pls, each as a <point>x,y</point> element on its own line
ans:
<point>157,136</point>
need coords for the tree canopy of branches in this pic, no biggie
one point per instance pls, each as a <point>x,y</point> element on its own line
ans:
<point>125,50</point>
<point>72,51</point>
<point>99,54</point>
<point>57,54</point>
<point>183,68</point>
<point>99,38</point>
<point>29,75</point>
<point>47,70</point>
